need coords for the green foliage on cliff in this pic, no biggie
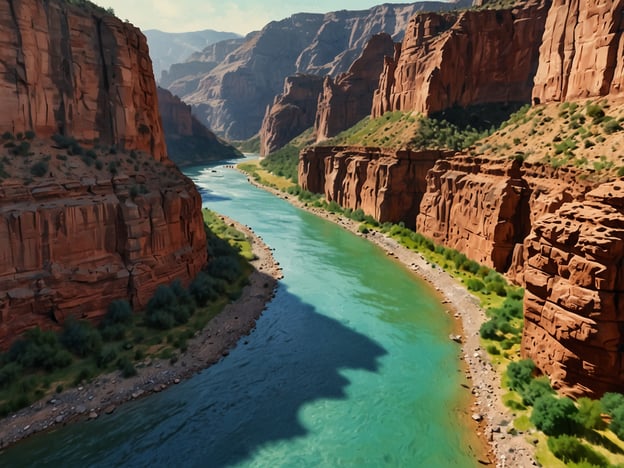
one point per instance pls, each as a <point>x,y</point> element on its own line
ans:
<point>40,361</point>
<point>284,161</point>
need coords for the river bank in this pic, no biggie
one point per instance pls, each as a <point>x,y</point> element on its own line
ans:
<point>106,392</point>
<point>502,446</point>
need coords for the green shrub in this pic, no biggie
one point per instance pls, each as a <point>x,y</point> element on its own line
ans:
<point>107,355</point>
<point>570,449</point>
<point>611,400</point>
<point>492,349</point>
<point>596,112</point>
<point>363,229</point>
<point>555,416</point>
<point>590,414</point>
<point>475,284</point>
<point>7,136</point>
<point>29,135</point>
<point>126,367</point>
<point>81,338</point>
<point>203,289</point>
<point>489,331</point>
<point>538,387</point>
<point>39,350</point>
<point>118,311</point>
<point>519,374</point>
<point>39,169</point>
<point>9,373</point>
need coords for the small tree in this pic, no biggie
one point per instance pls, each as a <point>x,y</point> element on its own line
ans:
<point>590,414</point>
<point>519,374</point>
<point>555,416</point>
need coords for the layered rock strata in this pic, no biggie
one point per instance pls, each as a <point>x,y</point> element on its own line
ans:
<point>91,225</point>
<point>385,184</point>
<point>581,54</point>
<point>77,71</point>
<point>292,112</point>
<point>347,99</point>
<point>485,45</point>
<point>188,141</point>
<point>70,247</point>
<point>574,298</point>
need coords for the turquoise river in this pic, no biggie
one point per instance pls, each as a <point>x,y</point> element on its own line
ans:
<point>350,365</point>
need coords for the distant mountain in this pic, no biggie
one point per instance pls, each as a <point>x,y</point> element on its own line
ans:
<point>169,48</point>
<point>232,97</point>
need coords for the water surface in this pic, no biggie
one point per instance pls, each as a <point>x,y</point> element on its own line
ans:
<point>350,365</point>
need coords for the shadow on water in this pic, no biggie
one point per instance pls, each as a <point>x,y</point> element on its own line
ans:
<point>226,413</point>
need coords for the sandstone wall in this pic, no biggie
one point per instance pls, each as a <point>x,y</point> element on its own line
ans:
<point>78,72</point>
<point>69,248</point>
<point>189,142</point>
<point>462,59</point>
<point>385,184</point>
<point>346,100</point>
<point>292,112</point>
<point>77,237</point>
<point>582,53</point>
<point>574,329</point>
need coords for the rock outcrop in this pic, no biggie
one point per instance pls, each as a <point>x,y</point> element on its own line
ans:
<point>581,53</point>
<point>574,276</point>
<point>388,185</point>
<point>85,227</point>
<point>485,45</point>
<point>292,112</point>
<point>231,99</point>
<point>348,99</point>
<point>77,71</point>
<point>188,141</point>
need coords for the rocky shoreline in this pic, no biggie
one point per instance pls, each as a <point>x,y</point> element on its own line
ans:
<point>106,392</point>
<point>492,421</point>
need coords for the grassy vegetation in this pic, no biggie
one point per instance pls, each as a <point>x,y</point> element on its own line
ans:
<point>283,162</point>
<point>43,362</point>
<point>251,145</point>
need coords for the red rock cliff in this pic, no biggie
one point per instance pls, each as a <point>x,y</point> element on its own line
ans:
<point>189,142</point>
<point>573,327</point>
<point>582,53</point>
<point>79,72</point>
<point>347,100</point>
<point>462,59</point>
<point>291,113</point>
<point>385,184</point>
<point>86,230</point>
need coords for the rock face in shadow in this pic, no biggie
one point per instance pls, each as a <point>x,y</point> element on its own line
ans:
<point>582,51</point>
<point>424,76</point>
<point>77,71</point>
<point>97,226</point>
<point>292,112</point>
<point>385,184</point>
<point>348,99</point>
<point>232,98</point>
<point>188,141</point>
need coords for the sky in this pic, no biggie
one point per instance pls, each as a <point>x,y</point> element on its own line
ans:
<point>239,16</point>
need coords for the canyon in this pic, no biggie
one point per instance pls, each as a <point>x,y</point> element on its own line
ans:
<point>189,142</point>
<point>558,231</point>
<point>99,212</point>
<point>231,98</point>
